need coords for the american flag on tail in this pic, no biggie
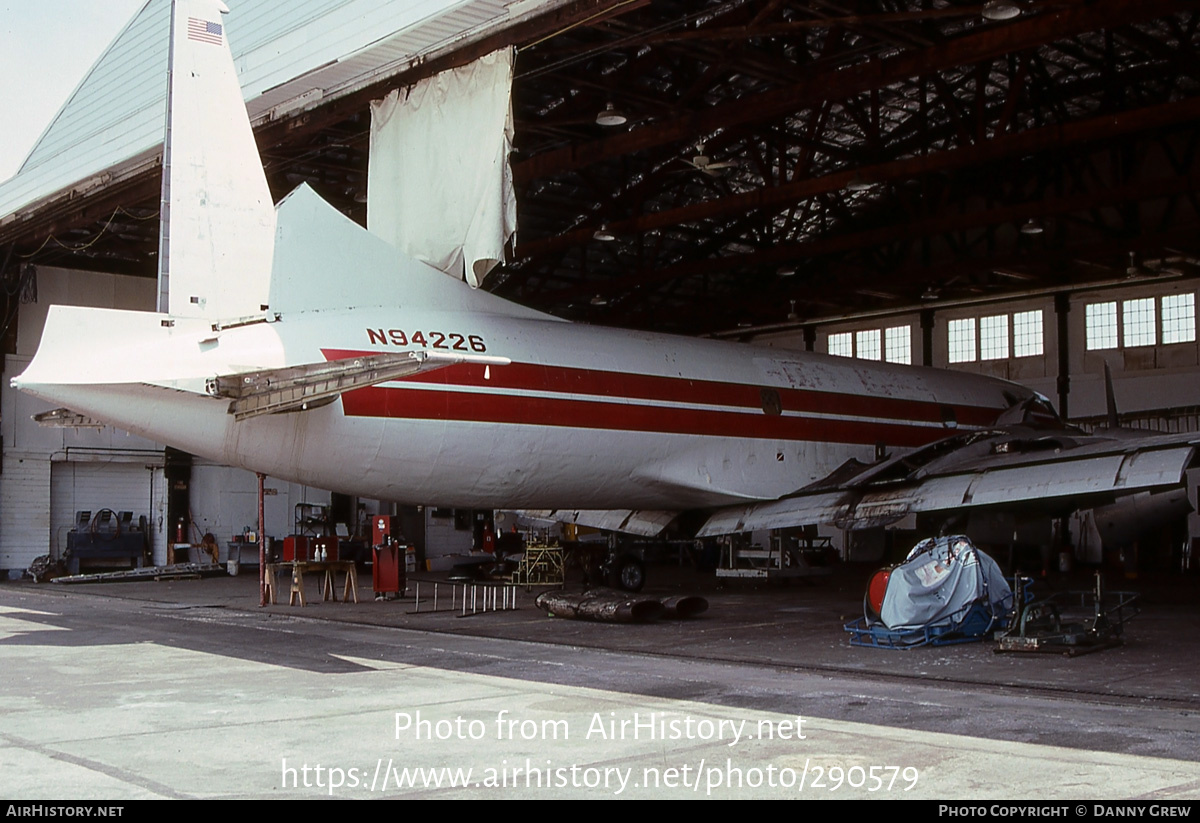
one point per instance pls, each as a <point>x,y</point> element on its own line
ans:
<point>204,31</point>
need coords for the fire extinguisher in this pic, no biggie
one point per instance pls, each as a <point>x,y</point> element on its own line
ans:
<point>179,527</point>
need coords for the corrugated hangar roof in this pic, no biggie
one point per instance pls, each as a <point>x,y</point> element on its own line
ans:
<point>777,158</point>
<point>290,56</point>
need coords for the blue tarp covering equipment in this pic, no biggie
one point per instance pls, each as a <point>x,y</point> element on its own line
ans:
<point>946,591</point>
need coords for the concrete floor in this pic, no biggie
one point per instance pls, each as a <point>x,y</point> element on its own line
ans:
<point>189,689</point>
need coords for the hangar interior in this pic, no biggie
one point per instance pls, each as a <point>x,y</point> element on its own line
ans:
<point>1007,188</point>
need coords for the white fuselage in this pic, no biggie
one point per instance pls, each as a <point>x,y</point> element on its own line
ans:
<point>583,417</point>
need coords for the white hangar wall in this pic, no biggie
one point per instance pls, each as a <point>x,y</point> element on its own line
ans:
<point>50,473</point>
<point>224,501</point>
<point>1145,331</point>
<point>1148,376</point>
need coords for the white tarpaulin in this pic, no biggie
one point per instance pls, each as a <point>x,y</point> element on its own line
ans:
<point>439,186</point>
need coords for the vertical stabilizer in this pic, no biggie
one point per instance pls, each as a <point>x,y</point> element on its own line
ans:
<point>1113,420</point>
<point>218,221</point>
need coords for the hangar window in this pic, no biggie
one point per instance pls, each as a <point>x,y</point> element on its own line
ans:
<point>1143,321</point>
<point>1179,318</point>
<point>1101,320</point>
<point>1138,317</point>
<point>993,337</point>
<point>898,344</point>
<point>1000,336</point>
<point>1027,333</point>
<point>841,344</point>
<point>867,344</point>
<point>893,344</point>
<point>962,340</point>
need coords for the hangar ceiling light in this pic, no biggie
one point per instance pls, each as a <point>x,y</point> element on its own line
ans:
<point>859,183</point>
<point>1000,10</point>
<point>610,116</point>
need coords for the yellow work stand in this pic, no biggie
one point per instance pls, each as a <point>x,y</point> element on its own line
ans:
<point>540,566</point>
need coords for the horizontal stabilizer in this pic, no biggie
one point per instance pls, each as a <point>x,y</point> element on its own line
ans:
<point>300,388</point>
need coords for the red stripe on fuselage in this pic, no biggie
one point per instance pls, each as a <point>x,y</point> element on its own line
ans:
<point>377,401</point>
<point>573,412</point>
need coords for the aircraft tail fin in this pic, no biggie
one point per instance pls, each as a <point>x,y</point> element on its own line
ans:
<point>1110,399</point>
<point>218,219</point>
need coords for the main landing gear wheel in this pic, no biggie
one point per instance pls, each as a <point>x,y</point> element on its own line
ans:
<point>629,574</point>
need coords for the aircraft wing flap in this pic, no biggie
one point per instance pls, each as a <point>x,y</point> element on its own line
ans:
<point>644,522</point>
<point>310,386</point>
<point>1100,475</point>
<point>1154,468</point>
<point>1094,479</point>
<point>777,514</point>
<point>66,419</point>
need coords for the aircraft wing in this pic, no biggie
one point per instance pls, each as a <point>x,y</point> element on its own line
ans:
<point>310,386</point>
<point>1015,466</point>
<point>645,523</point>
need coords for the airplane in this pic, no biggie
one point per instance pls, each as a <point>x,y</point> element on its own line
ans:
<point>292,342</point>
